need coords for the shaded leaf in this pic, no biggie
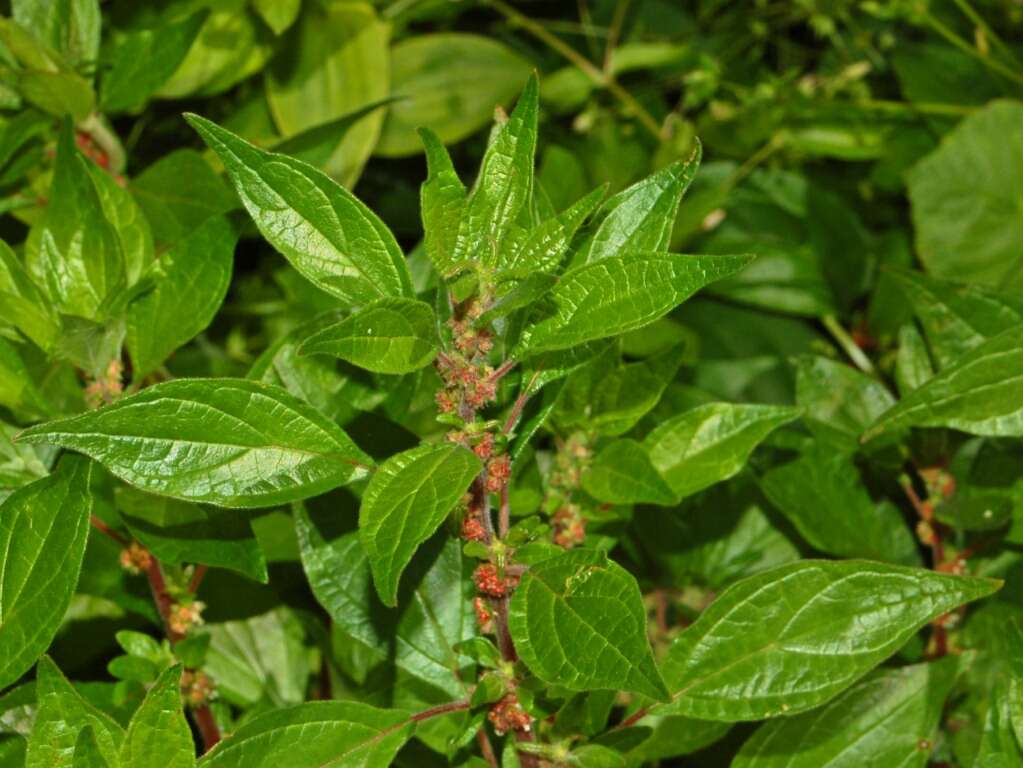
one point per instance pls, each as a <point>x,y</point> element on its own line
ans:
<point>622,474</point>
<point>711,442</point>
<point>158,733</point>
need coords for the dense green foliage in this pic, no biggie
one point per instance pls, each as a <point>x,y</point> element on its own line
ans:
<point>424,383</point>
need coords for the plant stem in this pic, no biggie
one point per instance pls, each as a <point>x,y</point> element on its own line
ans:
<point>850,347</point>
<point>995,66</point>
<point>599,77</point>
<point>99,525</point>
<point>971,13</point>
<point>487,748</point>
<point>207,725</point>
<point>197,577</point>
<point>440,709</point>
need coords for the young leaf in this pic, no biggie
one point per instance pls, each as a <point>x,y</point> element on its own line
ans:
<point>407,498</point>
<point>158,733</point>
<point>622,474</point>
<point>548,242</point>
<point>230,442</point>
<point>711,442</point>
<point>87,752</point>
<point>885,719</point>
<point>62,714</point>
<point>75,252</point>
<point>621,293</point>
<point>979,394</point>
<point>578,621</point>
<point>43,530</point>
<point>504,185</point>
<point>999,747</point>
<point>641,218</point>
<point>346,733</point>
<point>794,637</point>
<point>320,227</point>
<point>197,272</point>
<point>181,532</point>
<point>18,390</point>
<point>442,199</point>
<point>822,495</point>
<point>387,336</point>
<point>912,362</point>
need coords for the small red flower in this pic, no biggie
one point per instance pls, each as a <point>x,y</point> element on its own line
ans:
<point>508,715</point>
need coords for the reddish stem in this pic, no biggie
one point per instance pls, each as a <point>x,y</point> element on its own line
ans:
<point>197,577</point>
<point>207,725</point>
<point>487,748</point>
<point>99,525</point>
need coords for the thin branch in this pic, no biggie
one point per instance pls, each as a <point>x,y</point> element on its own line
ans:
<point>99,525</point>
<point>520,403</point>
<point>588,68</point>
<point>197,577</point>
<point>487,748</point>
<point>207,725</point>
<point>162,599</point>
<point>440,709</point>
<point>504,517</point>
<point>850,347</point>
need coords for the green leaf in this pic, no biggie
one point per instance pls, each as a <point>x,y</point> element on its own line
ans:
<point>433,614</point>
<point>622,474</point>
<point>22,303</point>
<point>142,60</point>
<point>174,216</point>
<point>346,733</point>
<point>230,442</point>
<point>578,621</point>
<point>517,294</point>
<point>45,78</point>
<point>128,222</point>
<point>18,390</point>
<point>965,199</point>
<point>912,362</point>
<point>231,46</point>
<point>979,394</point>
<point>449,83</point>
<point>71,27</point>
<point>823,496</point>
<point>61,716</point>
<point>75,252</point>
<point>278,14</point>
<point>545,246</point>
<point>442,200</point>
<point>504,185</point>
<point>609,397</point>
<point>387,336</point>
<point>261,660</point>
<point>998,746</point>
<point>87,752</point>
<point>792,638</point>
<point>956,317</point>
<point>711,442</point>
<point>838,401</point>
<point>882,720</point>
<point>407,498</point>
<point>158,733</point>
<point>327,234</point>
<point>43,530</point>
<point>333,62</point>
<point>641,218</point>
<point>180,532</point>
<point>621,293</point>
<point>184,301</point>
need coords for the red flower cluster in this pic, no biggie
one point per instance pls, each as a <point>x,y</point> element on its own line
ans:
<point>569,526</point>
<point>498,473</point>
<point>508,715</point>
<point>489,582</point>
